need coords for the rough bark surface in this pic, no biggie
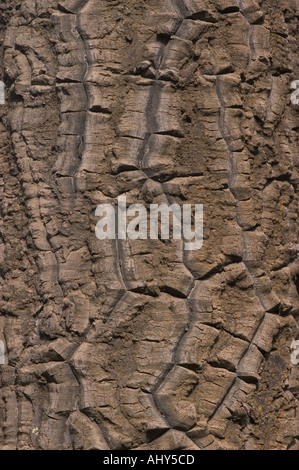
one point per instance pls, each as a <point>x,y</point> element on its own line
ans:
<point>122,344</point>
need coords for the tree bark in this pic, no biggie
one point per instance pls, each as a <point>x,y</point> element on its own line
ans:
<point>141,344</point>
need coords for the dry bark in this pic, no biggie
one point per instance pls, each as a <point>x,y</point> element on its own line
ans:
<point>122,344</point>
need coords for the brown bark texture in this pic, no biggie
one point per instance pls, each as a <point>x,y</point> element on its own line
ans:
<point>141,344</point>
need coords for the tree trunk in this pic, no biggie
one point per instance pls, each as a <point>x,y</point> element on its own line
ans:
<point>143,344</point>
